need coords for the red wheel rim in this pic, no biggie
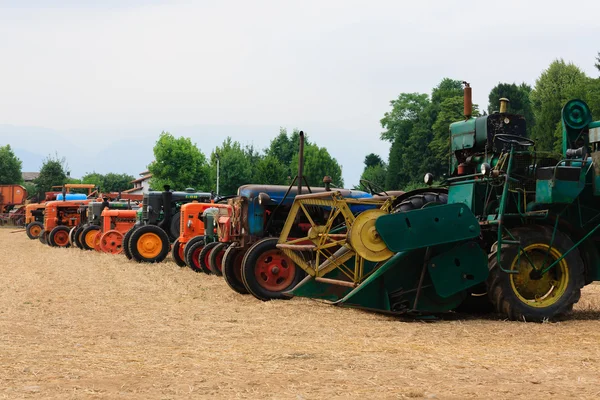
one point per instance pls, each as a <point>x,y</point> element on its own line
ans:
<point>207,258</point>
<point>196,258</point>
<point>274,270</point>
<point>61,238</point>
<point>219,260</point>
<point>111,242</point>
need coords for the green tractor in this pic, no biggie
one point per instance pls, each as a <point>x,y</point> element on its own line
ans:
<point>513,229</point>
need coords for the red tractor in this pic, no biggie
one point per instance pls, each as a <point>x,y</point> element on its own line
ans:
<point>115,224</point>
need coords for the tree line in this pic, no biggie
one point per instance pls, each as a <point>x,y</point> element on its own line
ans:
<point>417,125</point>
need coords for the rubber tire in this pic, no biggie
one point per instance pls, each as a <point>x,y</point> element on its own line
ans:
<point>204,254</point>
<point>194,246</point>
<point>419,201</point>
<point>229,268</point>
<point>54,232</point>
<point>126,239</point>
<point>175,253</point>
<point>174,227</point>
<point>248,266</point>
<point>138,233</point>
<point>77,237</point>
<point>72,235</point>
<point>500,290</point>
<point>84,244</point>
<point>212,262</point>
<point>31,225</point>
<point>43,238</point>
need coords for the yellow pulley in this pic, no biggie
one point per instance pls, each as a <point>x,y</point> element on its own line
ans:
<point>365,239</point>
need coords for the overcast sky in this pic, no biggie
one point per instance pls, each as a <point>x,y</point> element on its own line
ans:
<point>96,74</point>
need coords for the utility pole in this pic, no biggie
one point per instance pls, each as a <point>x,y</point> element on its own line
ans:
<point>217,155</point>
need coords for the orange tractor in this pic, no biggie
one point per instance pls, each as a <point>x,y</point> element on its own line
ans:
<point>11,198</point>
<point>115,224</point>
<point>197,233</point>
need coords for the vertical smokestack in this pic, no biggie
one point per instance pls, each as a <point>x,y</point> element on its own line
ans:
<point>468,111</point>
<point>300,162</point>
<point>504,105</point>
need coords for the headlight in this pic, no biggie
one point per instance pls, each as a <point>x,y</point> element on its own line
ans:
<point>428,179</point>
<point>486,169</point>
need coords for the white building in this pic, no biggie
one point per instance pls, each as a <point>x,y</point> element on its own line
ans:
<point>140,185</point>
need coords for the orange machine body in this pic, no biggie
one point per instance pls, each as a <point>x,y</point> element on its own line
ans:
<point>62,213</point>
<point>115,223</point>
<point>192,224</point>
<point>10,196</point>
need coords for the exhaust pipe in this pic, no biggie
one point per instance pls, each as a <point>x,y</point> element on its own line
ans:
<point>300,162</point>
<point>468,101</point>
<point>165,224</point>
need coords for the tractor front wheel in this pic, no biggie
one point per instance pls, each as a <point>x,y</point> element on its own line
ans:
<point>88,235</point>
<point>43,237</point>
<point>267,272</point>
<point>126,239</point>
<point>149,244</point>
<point>530,294</point>
<point>177,253</point>
<point>77,237</point>
<point>192,251</point>
<point>205,257</point>
<point>215,261</point>
<point>111,242</point>
<point>59,236</point>
<point>34,229</point>
<point>232,268</point>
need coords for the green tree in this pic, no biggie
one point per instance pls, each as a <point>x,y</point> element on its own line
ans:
<point>10,166</point>
<point>52,173</point>
<point>114,182</point>
<point>235,167</point>
<point>179,164</point>
<point>31,189</point>
<point>318,163</point>
<point>269,170</point>
<point>520,102</point>
<point>93,178</point>
<point>284,148</point>
<point>375,174</point>
<point>556,85</point>
<point>372,160</point>
<point>597,65</point>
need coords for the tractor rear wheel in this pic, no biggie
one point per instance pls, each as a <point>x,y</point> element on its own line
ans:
<point>59,236</point>
<point>149,244</point>
<point>77,237</point>
<point>192,251</point>
<point>126,240</point>
<point>174,228</point>
<point>530,294</point>
<point>111,242</point>
<point>34,229</point>
<point>232,268</point>
<point>205,257</point>
<point>267,272</point>
<point>215,261</point>
<point>87,237</point>
<point>43,238</point>
<point>177,253</point>
<point>422,200</point>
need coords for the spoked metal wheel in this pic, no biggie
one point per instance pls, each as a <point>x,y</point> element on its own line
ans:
<point>111,242</point>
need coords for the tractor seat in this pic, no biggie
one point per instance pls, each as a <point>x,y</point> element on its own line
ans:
<point>563,173</point>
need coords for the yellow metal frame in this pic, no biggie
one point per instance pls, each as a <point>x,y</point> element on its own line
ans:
<point>321,237</point>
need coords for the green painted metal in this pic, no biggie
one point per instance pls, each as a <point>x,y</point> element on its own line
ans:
<point>458,269</point>
<point>555,191</point>
<point>462,134</point>
<point>576,115</point>
<point>430,226</point>
<point>462,194</point>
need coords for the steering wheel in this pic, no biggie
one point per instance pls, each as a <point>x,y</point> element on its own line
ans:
<point>370,186</point>
<point>514,139</point>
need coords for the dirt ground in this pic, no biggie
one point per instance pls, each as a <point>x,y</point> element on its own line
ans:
<point>77,324</point>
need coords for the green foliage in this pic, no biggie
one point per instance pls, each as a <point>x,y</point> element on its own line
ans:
<point>10,166</point>
<point>179,164</point>
<point>406,110</point>
<point>318,163</point>
<point>52,173</point>
<point>375,174</point>
<point>284,148</point>
<point>111,182</point>
<point>235,167</point>
<point>558,84</point>
<point>520,102</point>
<point>372,160</point>
<point>269,170</point>
<point>31,189</point>
<point>597,64</point>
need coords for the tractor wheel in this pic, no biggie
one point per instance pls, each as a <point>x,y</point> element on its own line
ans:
<point>72,236</point>
<point>149,244</point>
<point>215,261</point>
<point>527,296</point>
<point>97,241</point>
<point>177,253</point>
<point>77,237</point>
<point>59,236</point>
<point>267,272</point>
<point>126,240</point>
<point>43,237</point>
<point>111,242</point>
<point>87,237</point>
<point>476,302</point>
<point>174,228</point>
<point>205,257</point>
<point>422,200</point>
<point>232,268</point>
<point>192,251</point>
<point>34,229</point>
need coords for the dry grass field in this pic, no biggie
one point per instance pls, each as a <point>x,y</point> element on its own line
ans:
<point>77,324</point>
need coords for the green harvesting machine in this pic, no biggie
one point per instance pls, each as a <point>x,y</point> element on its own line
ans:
<point>512,229</point>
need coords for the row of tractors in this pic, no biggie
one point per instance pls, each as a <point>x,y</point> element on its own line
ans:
<point>510,230</point>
